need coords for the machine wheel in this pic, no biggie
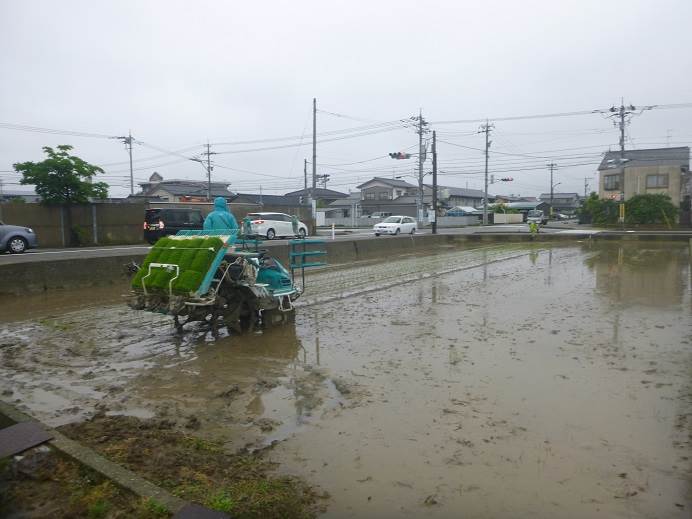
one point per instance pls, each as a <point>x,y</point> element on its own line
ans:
<point>271,234</point>
<point>396,233</point>
<point>17,245</point>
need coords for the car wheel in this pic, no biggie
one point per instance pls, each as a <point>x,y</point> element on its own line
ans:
<point>302,233</point>
<point>396,233</point>
<point>413,230</point>
<point>377,234</point>
<point>271,234</point>
<point>17,245</point>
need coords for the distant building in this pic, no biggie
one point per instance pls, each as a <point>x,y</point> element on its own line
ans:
<point>388,195</point>
<point>182,190</point>
<point>453,196</point>
<point>11,195</point>
<point>506,199</point>
<point>325,196</point>
<point>269,200</point>
<point>562,202</point>
<point>635,172</point>
<point>345,207</point>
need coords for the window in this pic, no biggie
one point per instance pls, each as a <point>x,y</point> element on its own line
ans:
<point>369,195</point>
<point>612,182</point>
<point>385,195</point>
<point>656,181</point>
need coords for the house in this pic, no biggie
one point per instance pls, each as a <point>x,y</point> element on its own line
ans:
<point>323,196</point>
<point>269,200</point>
<point>344,207</point>
<point>623,175</point>
<point>453,196</point>
<point>182,190</point>
<point>389,195</point>
<point>507,199</point>
<point>562,202</point>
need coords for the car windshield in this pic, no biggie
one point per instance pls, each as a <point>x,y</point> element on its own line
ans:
<point>392,219</point>
<point>535,213</point>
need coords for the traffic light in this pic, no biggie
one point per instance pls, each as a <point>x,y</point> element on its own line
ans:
<point>398,155</point>
<point>507,179</point>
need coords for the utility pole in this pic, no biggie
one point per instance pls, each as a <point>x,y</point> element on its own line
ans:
<point>552,167</point>
<point>434,182</point>
<point>420,204</point>
<point>586,187</point>
<point>208,167</point>
<point>486,128</point>
<point>622,115</point>
<point>314,144</point>
<point>305,175</point>
<point>127,140</point>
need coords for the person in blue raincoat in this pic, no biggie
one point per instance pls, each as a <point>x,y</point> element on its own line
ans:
<point>220,219</point>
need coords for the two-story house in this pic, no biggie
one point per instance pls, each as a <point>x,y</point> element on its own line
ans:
<point>623,175</point>
<point>389,195</point>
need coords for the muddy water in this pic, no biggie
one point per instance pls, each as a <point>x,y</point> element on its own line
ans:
<point>551,382</point>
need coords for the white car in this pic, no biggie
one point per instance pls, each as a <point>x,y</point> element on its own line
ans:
<point>395,225</point>
<point>275,225</point>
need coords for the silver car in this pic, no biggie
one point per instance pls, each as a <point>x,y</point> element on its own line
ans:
<point>16,239</point>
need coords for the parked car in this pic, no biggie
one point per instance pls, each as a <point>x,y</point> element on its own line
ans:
<point>463,211</point>
<point>536,216</point>
<point>164,222</point>
<point>395,225</point>
<point>275,225</point>
<point>379,214</point>
<point>16,239</point>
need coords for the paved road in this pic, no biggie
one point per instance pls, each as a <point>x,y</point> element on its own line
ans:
<point>341,235</point>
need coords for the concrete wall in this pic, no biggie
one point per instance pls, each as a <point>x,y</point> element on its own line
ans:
<point>101,224</point>
<point>457,221</point>
<point>508,218</point>
<point>111,224</point>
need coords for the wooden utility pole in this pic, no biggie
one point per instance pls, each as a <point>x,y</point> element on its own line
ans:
<point>486,128</point>
<point>434,182</point>
<point>314,145</point>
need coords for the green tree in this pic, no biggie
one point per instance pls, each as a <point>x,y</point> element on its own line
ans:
<point>63,179</point>
<point>599,212</point>
<point>502,208</point>
<point>650,209</point>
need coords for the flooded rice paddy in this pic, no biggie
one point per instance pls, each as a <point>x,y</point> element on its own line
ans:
<point>492,382</point>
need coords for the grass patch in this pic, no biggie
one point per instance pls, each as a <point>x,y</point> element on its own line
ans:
<point>60,488</point>
<point>197,469</point>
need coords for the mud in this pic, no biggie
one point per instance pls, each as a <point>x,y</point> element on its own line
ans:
<point>526,381</point>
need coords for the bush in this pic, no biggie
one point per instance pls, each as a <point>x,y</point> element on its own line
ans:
<point>650,209</point>
<point>599,212</point>
<point>503,209</point>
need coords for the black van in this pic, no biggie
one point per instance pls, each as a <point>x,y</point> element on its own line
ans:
<point>163,222</point>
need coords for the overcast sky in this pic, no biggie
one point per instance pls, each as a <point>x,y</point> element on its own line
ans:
<point>181,73</point>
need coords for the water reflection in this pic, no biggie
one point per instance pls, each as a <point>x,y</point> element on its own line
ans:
<point>643,273</point>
